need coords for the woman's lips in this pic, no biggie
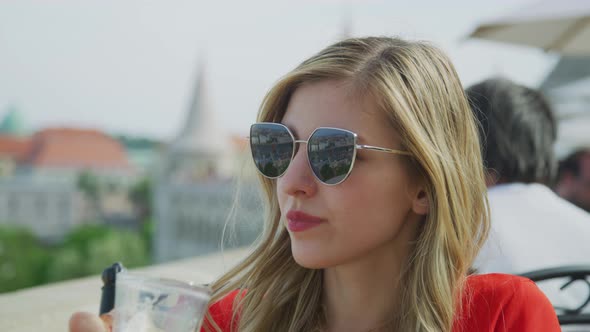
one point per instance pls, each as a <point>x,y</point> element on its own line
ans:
<point>298,221</point>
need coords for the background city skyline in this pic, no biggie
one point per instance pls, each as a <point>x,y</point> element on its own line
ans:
<point>130,67</point>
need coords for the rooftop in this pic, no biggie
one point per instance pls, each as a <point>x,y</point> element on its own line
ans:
<point>14,147</point>
<point>76,148</point>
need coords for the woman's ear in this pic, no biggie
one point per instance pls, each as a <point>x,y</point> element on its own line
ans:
<point>421,204</point>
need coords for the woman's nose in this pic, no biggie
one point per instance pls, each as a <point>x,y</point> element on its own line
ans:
<point>298,180</point>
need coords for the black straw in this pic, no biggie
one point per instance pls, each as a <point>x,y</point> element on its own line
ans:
<point>109,277</point>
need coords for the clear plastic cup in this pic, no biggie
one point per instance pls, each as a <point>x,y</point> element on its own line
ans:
<point>147,304</point>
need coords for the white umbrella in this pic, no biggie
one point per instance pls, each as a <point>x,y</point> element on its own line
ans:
<point>552,25</point>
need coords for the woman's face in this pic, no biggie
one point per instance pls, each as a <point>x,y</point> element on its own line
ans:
<point>376,211</point>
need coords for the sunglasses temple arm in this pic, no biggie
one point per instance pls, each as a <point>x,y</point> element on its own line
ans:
<point>380,149</point>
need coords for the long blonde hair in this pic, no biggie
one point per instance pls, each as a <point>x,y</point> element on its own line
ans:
<point>417,87</point>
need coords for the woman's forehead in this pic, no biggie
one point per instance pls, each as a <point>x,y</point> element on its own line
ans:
<point>335,104</point>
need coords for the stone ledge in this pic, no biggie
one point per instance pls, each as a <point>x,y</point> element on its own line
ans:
<point>48,308</point>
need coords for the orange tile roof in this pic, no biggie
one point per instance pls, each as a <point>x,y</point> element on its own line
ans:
<point>76,148</point>
<point>14,147</point>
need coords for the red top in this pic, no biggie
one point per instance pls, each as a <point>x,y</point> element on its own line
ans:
<point>492,302</point>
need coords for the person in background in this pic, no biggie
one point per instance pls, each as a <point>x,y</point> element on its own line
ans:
<point>573,178</point>
<point>532,227</point>
<point>371,169</point>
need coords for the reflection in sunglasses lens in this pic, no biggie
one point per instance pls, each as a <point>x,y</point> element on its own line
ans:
<point>272,148</point>
<point>331,153</point>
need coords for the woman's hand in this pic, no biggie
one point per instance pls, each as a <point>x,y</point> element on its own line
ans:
<point>87,322</point>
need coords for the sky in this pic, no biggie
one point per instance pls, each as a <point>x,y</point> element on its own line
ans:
<point>129,66</point>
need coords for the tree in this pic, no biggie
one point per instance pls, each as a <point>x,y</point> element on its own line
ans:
<point>87,250</point>
<point>22,259</point>
<point>91,248</point>
<point>65,263</point>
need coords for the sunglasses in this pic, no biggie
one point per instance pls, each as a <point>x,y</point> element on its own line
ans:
<point>331,152</point>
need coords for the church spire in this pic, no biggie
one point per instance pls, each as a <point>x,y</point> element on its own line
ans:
<point>198,133</point>
<point>196,152</point>
<point>346,26</point>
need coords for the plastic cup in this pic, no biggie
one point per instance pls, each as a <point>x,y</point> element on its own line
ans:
<point>147,304</point>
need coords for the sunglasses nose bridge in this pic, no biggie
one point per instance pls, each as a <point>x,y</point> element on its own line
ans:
<point>299,151</point>
<point>298,177</point>
<point>297,147</point>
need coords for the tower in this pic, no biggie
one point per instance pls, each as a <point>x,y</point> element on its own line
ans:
<point>195,153</point>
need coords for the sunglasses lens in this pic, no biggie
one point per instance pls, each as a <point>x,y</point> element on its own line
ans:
<point>331,154</point>
<point>272,148</point>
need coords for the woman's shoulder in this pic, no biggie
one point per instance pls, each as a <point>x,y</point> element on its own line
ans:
<point>222,312</point>
<point>503,302</point>
<point>499,284</point>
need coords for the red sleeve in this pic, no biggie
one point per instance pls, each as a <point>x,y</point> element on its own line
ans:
<point>505,303</point>
<point>529,310</point>
<point>221,312</point>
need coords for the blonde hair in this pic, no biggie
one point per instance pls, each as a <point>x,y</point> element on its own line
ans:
<point>417,87</point>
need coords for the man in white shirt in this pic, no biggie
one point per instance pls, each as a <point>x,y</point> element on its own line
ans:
<point>532,228</point>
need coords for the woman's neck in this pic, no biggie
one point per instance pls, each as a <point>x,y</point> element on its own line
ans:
<point>362,295</point>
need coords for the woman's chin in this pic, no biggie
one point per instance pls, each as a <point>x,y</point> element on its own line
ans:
<point>309,263</point>
<point>309,258</point>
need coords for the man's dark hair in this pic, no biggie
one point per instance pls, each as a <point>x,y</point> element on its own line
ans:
<point>517,130</point>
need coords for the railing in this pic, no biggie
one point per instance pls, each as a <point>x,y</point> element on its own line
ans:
<point>48,308</point>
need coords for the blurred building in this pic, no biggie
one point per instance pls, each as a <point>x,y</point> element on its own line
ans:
<point>61,154</point>
<point>195,188</point>
<point>13,141</point>
<point>12,150</point>
<point>61,177</point>
<point>13,123</point>
<point>143,153</point>
<point>49,211</point>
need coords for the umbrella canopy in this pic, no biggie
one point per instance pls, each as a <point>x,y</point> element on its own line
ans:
<point>559,26</point>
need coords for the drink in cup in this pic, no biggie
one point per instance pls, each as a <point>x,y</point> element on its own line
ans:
<point>145,304</point>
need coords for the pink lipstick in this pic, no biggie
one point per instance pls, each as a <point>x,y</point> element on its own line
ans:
<point>298,221</point>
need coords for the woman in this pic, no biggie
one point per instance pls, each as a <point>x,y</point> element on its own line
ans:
<point>370,162</point>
